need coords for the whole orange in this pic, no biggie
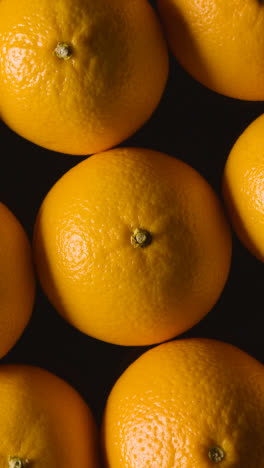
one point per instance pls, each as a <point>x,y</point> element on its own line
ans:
<point>17,281</point>
<point>243,187</point>
<point>79,76</point>
<point>132,246</point>
<point>44,423</point>
<point>219,42</point>
<point>188,403</point>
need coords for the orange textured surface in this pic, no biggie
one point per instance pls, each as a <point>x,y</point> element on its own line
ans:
<point>243,187</point>
<point>98,280</point>
<point>219,42</point>
<point>102,94</point>
<point>181,399</point>
<point>17,282</point>
<point>44,421</point>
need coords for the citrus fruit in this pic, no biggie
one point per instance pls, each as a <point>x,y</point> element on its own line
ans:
<point>219,43</point>
<point>44,422</point>
<point>188,403</point>
<point>80,76</point>
<point>243,187</point>
<point>17,281</point>
<point>132,246</point>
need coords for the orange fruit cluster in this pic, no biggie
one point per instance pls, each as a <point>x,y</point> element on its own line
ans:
<point>131,246</point>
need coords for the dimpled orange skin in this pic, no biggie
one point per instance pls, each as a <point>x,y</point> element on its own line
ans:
<point>178,401</point>
<point>243,187</point>
<point>98,280</point>
<point>17,280</point>
<point>44,421</point>
<point>102,93</point>
<point>220,43</point>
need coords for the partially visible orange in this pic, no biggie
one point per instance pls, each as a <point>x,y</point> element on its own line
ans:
<point>17,281</point>
<point>80,76</point>
<point>44,423</point>
<point>219,42</point>
<point>243,187</point>
<point>132,246</point>
<point>193,403</point>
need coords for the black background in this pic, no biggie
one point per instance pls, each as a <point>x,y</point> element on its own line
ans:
<point>193,124</point>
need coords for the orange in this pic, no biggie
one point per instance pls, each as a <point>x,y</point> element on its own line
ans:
<point>79,76</point>
<point>219,42</point>
<point>17,281</point>
<point>44,422</point>
<point>243,187</point>
<point>132,246</point>
<point>188,403</point>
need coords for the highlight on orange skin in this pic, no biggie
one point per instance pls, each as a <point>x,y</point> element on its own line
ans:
<point>132,246</point>
<point>73,79</point>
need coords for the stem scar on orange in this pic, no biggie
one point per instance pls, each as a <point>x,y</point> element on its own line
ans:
<point>44,422</point>
<point>17,280</point>
<point>80,76</point>
<point>187,403</point>
<point>132,246</point>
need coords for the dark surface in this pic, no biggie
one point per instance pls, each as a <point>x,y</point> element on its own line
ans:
<point>191,123</point>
